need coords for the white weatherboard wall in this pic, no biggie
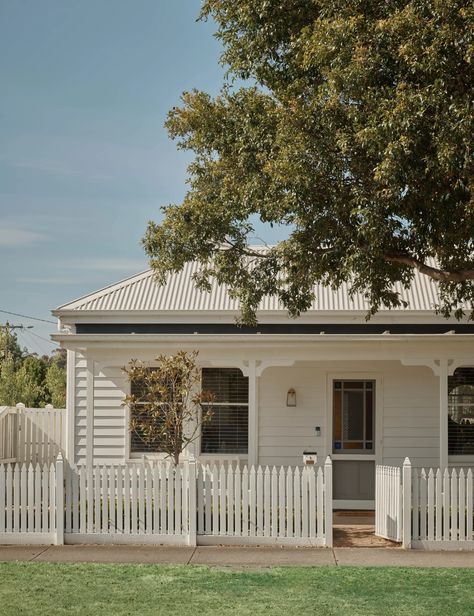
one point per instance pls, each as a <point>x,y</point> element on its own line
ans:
<point>411,416</point>
<point>285,432</point>
<point>80,407</point>
<point>99,415</point>
<point>407,416</point>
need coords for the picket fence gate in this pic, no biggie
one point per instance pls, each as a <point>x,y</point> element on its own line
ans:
<point>161,503</point>
<point>388,498</point>
<point>425,508</point>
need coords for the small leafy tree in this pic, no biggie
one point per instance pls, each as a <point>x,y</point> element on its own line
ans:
<point>18,385</point>
<point>170,407</point>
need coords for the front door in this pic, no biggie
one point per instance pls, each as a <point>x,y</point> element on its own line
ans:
<point>353,443</point>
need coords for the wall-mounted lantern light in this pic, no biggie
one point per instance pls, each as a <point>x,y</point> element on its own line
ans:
<point>291,397</point>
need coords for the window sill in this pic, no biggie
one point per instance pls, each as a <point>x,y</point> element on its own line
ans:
<point>461,459</point>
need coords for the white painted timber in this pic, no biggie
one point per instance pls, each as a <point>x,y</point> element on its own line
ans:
<point>31,434</point>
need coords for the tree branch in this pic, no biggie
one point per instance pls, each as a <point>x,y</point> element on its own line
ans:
<point>441,275</point>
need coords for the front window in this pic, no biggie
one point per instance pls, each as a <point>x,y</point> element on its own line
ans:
<point>461,412</point>
<point>138,444</point>
<point>353,416</point>
<point>227,430</point>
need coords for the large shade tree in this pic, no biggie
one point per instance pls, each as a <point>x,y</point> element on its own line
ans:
<point>354,127</point>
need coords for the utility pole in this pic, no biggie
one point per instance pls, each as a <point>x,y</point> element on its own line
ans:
<point>8,329</point>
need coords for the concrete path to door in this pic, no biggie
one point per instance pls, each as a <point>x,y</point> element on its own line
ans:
<point>235,557</point>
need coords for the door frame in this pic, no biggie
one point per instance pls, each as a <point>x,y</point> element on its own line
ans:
<point>377,457</point>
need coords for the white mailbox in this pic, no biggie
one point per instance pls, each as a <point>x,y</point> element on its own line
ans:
<point>310,457</point>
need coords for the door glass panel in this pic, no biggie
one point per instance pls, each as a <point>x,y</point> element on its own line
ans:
<point>368,416</point>
<point>337,416</point>
<point>353,416</point>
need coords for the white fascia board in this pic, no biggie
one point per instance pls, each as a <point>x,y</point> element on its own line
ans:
<point>258,340</point>
<point>111,349</point>
<point>264,317</point>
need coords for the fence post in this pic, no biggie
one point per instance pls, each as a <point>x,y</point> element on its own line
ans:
<point>59,535</point>
<point>406,503</point>
<point>328,501</point>
<point>19,447</point>
<point>192,509</point>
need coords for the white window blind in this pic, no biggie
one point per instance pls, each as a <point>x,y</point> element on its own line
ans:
<point>227,431</point>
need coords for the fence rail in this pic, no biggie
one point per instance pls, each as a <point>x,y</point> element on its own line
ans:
<point>31,435</point>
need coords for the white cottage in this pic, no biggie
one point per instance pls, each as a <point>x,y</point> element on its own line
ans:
<point>365,393</point>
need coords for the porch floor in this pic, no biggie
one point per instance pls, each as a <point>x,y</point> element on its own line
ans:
<point>356,529</point>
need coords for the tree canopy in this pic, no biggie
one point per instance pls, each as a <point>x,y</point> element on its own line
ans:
<point>28,378</point>
<point>354,127</point>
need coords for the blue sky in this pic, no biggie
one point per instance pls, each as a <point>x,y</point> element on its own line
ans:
<point>84,159</point>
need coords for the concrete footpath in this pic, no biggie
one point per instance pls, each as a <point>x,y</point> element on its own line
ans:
<point>235,557</point>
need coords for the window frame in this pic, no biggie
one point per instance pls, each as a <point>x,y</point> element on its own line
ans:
<point>134,456</point>
<point>203,455</point>
<point>364,440</point>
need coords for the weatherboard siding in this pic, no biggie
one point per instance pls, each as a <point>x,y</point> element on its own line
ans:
<point>80,407</point>
<point>408,413</point>
<point>109,434</point>
<point>285,432</point>
<point>411,416</point>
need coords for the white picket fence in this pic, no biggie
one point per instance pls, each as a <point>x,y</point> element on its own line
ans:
<point>28,503</point>
<point>263,505</point>
<point>160,503</point>
<point>425,508</point>
<point>135,503</point>
<point>31,435</point>
<point>442,508</point>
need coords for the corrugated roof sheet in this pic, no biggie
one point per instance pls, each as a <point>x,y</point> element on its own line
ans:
<point>142,293</point>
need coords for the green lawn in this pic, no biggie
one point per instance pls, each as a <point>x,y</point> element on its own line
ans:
<point>49,589</point>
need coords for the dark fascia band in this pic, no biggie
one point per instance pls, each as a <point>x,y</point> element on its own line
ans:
<point>273,328</point>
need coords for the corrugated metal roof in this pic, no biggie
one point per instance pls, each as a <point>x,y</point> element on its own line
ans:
<point>142,293</point>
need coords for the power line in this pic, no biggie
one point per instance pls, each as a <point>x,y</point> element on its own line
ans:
<point>24,316</point>
<point>30,340</point>
<point>41,338</point>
